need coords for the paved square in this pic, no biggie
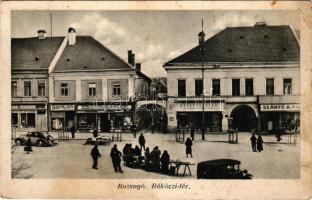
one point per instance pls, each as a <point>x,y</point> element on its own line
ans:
<point>71,159</point>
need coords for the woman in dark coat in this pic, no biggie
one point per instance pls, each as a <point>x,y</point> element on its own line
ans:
<point>188,145</point>
<point>28,145</point>
<point>155,159</point>
<point>259,143</point>
<point>164,160</point>
<point>147,156</point>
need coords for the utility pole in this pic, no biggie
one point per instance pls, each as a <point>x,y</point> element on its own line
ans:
<point>201,40</point>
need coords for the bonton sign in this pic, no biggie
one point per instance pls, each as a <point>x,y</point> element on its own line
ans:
<point>62,107</point>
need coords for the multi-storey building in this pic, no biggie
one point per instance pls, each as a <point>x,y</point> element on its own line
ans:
<point>90,86</point>
<point>30,61</point>
<point>251,76</point>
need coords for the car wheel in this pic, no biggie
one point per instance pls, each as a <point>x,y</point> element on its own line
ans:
<point>18,142</point>
<point>39,143</point>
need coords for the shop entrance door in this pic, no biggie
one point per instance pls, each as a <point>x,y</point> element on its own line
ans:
<point>105,123</point>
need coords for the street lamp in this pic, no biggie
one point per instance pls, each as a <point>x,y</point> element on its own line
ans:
<point>201,41</point>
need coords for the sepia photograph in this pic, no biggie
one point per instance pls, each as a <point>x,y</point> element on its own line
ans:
<point>137,94</point>
<point>155,100</point>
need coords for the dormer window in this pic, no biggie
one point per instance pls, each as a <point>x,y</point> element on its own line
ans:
<point>41,34</point>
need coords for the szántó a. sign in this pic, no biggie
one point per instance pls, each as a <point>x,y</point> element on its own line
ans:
<point>280,107</point>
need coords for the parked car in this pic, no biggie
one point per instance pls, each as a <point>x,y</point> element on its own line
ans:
<point>37,138</point>
<point>221,169</point>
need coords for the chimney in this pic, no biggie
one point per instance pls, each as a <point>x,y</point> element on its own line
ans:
<point>138,66</point>
<point>71,36</point>
<point>41,34</point>
<point>131,57</point>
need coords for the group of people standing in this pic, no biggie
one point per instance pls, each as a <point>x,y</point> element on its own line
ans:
<point>256,143</point>
<point>153,160</point>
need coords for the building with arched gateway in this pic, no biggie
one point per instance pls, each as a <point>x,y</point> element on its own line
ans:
<point>250,78</point>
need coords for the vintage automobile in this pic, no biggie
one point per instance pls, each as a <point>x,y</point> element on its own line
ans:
<point>221,169</point>
<point>37,138</point>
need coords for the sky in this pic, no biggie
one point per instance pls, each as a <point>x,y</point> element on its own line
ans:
<point>154,36</point>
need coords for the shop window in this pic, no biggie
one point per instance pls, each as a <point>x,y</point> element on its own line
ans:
<point>249,87</point>
<point>235,87</point>
<point>28,120</point>
<point>287,88</point>
<point>270,86</point>
<point>116,89</point>
<point>198,87</point>
<point>14,119</point>
<point>64,90</point>
<point>14,89</point>
<point>215,87</point>
<point>92,89</point>
<point>27,88</point>
<point>181,88</point>
<point>41,88</point>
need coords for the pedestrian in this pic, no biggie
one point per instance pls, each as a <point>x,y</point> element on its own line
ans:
<point>134,130</point>
<point>253,141</point>
<point>95,154</point>
<point>155,159</point>
<point>188,145</point>
<point>116,158</point>
<point>153,126</point>
<point>28,146</point>
<point>279,133</point>
<point>297,124</point>
<point>192,132</point>
<point>142,141</point>
<point>147,158</point>
<point>137,150</point>
<point>95,132</point>
<point>165,159</point>
<point>129,154</point>
<point>72,131</point>
<point>259,143</point>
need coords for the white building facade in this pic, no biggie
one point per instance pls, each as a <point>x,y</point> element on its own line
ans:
<point>251,80</point>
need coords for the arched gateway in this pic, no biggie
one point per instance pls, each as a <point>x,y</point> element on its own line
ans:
<point>244,118</point>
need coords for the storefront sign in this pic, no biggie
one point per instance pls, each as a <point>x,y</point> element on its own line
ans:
<point>280,107</point>
<point>208,106</point>
<point>105,107</point>
<point>63,107</point>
